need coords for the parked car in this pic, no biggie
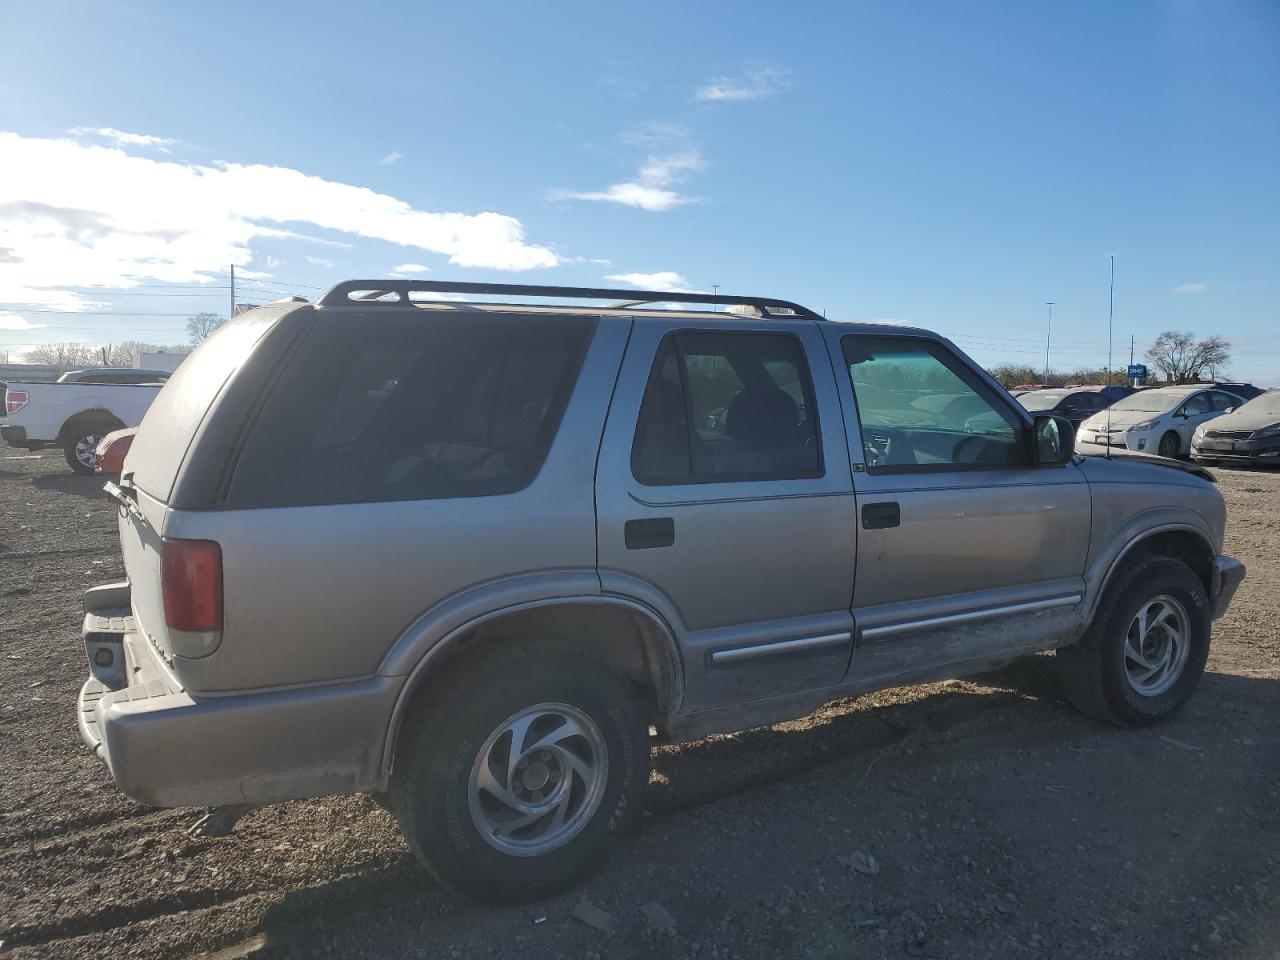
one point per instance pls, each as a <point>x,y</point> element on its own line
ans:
<point>1158,420</point>
<point>72,415</point>
<point>464,556</point>
<point>1077,404</point>
<point>1250,434</point>
<point>114,375</point>
<point>1245,391</point>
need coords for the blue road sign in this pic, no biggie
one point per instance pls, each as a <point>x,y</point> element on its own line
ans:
<point>1137,371</point>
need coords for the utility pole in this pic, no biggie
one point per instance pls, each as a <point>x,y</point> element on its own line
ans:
<point>715,289</point>
<point>232,315</point>
<point>1131,349</point>
<point>1047,334</point>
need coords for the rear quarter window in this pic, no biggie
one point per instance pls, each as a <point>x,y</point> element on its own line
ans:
<point>379,407</point>
<point>179,408</point>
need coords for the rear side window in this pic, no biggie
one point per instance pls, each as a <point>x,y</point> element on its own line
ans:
<point>727,406</point>
<point>178,410</point>
<point>411,407</point>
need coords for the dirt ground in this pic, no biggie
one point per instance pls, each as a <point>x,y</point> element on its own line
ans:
<point>961,820</point>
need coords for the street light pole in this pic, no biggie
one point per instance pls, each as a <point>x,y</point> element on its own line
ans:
<point>1047,334</point>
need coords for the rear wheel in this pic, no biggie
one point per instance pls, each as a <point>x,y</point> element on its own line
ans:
<point>1145,651</point>
<point>1170,445</point>
<point>520,772</point>
<point>81,447</point>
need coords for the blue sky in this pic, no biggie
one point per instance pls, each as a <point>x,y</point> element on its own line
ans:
<point>951,165</point>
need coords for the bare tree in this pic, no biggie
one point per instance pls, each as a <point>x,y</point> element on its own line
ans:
<point>63,356</point>
<point>1181,357</point>
<point>203,324</point>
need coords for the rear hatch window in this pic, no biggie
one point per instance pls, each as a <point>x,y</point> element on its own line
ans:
<point>409,406</point>
<point>178,410</point>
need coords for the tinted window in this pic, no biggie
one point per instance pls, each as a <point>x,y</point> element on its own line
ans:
<point>411,407</point>
<point>178,410</point>
<point>727,406</point>
<point>1222,401</point>
<point>1086,402</point>
<point>921,408</point>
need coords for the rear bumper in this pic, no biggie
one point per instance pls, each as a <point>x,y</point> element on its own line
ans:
<point>168,747</point>
<point>14,436</point>
<point>1228,572</point>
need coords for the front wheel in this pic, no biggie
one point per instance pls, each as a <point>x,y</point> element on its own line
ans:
<point>1170,445</point>
<point>520,772</point>
<point>1143,655</point>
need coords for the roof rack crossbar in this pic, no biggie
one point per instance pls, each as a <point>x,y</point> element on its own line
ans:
<point>373,290</point>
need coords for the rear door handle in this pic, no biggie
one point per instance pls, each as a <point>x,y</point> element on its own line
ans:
<point>880,516</point>
<point>650,533</point>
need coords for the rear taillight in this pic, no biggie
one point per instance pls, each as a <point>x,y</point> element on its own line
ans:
<point>14,400</point>
<point>191,583</point>
<point>112,449</point>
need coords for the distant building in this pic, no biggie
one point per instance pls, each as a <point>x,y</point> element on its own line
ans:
<point>157,361</point>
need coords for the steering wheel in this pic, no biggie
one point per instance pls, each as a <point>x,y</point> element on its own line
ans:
<point>969,450</point>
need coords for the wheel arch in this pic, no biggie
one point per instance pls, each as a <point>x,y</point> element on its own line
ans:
<point>619,631</point>
<point>91,415</point>
<point>1183,541</point>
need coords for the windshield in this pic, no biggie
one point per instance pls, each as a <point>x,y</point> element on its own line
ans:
<point>1268,402</point>
<point>1152,401</point>
<point>1041,399</point>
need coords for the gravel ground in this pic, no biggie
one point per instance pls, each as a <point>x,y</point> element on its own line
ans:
<point>964,819</point>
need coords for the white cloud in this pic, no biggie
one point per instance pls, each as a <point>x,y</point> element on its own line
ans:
<point>752,85</point>
<point>1187,288</point>
<point>662,280</point>
<point>411,268</point>
<point>391,158</point>
<point>15,321</point>
<point>124,139</point>
<point>321,262</point>
<point>74,215</point>
<point>271,263</point>
<point>651,188</point>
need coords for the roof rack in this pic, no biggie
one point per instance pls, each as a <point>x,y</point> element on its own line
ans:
<point>373,292</point>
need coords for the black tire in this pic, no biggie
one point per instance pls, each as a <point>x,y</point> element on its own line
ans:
<point>1093,671</point>
<point>1170,446</point>
<point>431,790</point>
<point>84,434</point>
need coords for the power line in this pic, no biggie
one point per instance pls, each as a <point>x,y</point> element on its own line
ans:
<point>103,313</point>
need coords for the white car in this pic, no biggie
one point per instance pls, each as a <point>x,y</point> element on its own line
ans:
<point>1158,420</point>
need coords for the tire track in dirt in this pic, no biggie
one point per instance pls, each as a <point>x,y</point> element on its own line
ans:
<point>728,766</point>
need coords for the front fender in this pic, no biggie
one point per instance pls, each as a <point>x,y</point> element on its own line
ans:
<point>1122,541</point>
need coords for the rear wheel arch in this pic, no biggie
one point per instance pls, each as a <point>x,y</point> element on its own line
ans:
<point>623,635</point>
<point>96,417</point>
<point>80,434</point>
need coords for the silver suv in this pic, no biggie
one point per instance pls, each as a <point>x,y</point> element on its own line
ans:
<point>469,556</point>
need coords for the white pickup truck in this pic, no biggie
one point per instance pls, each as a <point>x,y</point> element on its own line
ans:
<point>76,412</point>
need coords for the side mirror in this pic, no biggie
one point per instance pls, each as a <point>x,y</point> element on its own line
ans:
<point>1054,440</point>
<point>1229,410</point>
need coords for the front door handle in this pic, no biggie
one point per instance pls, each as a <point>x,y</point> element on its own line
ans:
<point>649,533</point>
<point>880,516</point>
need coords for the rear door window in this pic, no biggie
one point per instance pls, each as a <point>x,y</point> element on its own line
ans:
<point>725,407</point>
<point>411,407</point>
